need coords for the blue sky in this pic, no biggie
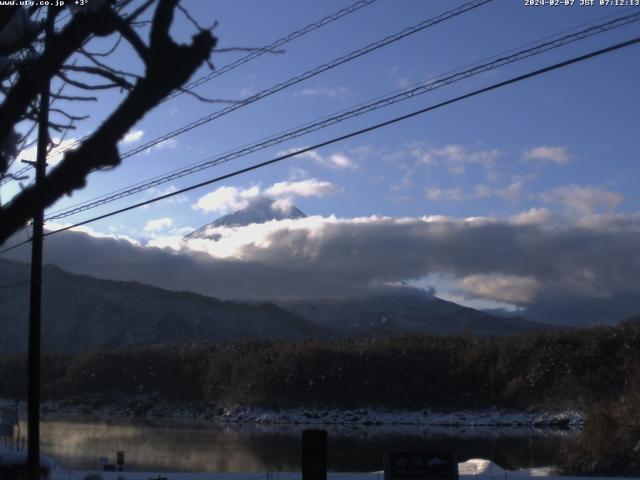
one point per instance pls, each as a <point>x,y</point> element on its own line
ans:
<point>561,146</point>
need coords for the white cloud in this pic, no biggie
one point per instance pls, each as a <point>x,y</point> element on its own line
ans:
<point>248,91</point>
<point>133,136</point>
<point>168,144</point>
<point>158,224</point>
<point>303,188</point>
<point>454,157</point>
<point>583,199</point>
<point>558,155</point>
<point>502,288</point>
<point>225,199</point>
<point>86,229</point>
<point>460,155</point>
<point>580,270</point>
<point>173,242</point>
<point>340,161</point>
<point>297,173</point>
<point>483,191</point>
<point>438,194</point>
<point>394,73</point>
<point>155,193</point>
<point>336,161</point>
<point>534,216</point>
<point>310,154</point>
<point>323,92</point>
<point>283,204</point>
<point>405,183</point>
<point>511,192</point>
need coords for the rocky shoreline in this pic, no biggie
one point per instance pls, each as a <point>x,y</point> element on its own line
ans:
<point>146,407</point>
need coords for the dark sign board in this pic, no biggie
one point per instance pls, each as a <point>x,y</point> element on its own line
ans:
<point>420,466</point>
<point>314,454</point>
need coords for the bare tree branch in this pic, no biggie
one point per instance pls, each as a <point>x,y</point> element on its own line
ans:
<point>107,52</point>
<point>104,66</point>
<point>139,11</point>
<point>169,66</point>
<point>208,100</point>
<point>124,28</point>
<point>73,98</point>
<point>194,22</point>
<point>21,42</point>
<point>6,14</point>
<point>60,127</point>
<point>61,47</point>
<point>88,86</point>
<point>102,72</point>
<point>249,49</point>
<point>68,115</point>
<point>13,177</point>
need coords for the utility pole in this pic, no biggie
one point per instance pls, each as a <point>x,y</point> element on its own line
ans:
<point>35,303</point>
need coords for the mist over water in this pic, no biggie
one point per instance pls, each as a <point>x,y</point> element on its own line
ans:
<point>78,443</point>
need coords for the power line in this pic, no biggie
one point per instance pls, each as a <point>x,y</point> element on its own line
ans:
<point>273,46</point>
<point>306,75</point>
<point>233,65</point>
<point>212,160</point>
<point>334,119</point>
<point>253,55</point>
<point>19,173</point>
<point>281,42</point>
<point>371,128</point>
<point>312,73</point>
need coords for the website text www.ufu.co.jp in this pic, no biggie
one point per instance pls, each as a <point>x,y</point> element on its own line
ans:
<point>38,3</point>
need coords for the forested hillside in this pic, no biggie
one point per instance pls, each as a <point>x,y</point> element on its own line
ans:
<point>533,370</point>
<point>82,313</point>
<point>595,370</point>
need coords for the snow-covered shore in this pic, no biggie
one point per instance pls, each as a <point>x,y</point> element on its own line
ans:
<point>378,417</point>
<point>478,469</point>
<point>361,417</point>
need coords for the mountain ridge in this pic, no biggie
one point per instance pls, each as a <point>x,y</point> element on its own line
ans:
<point>410,311</point>
<point>84,313</point>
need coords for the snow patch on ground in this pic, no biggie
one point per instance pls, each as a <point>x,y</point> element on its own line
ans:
<point>10,457</point>
<point>476,468</point>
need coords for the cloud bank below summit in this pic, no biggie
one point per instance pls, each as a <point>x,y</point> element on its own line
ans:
<point>583,271</point>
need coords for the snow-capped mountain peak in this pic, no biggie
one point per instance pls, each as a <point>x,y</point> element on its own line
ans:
<point>259,210</point>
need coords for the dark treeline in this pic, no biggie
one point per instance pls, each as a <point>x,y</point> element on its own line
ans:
<point>596,370</point>
<point>528,371</point>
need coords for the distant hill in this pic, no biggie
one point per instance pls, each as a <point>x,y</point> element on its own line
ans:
<point>405,310</point>
<point>81,313</point>
<point>259,210</point>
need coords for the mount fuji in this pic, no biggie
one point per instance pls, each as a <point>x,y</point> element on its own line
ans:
<point>259,210</point>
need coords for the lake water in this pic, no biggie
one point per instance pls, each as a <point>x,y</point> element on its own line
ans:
<point>78,443</point>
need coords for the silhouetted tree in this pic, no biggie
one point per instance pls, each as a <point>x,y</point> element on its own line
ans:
<point>25,67</point>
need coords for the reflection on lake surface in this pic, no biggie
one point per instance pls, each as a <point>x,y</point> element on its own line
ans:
<point>78,443</point>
